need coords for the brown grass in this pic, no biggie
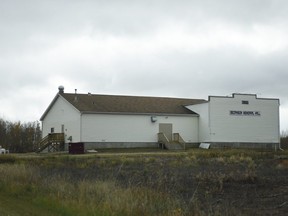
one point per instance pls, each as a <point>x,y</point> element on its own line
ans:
<point>152,183</point>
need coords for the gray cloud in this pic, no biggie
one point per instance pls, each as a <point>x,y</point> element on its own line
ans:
<point>162,48</point>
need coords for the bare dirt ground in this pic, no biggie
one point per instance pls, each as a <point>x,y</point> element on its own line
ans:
<point>206,185</point>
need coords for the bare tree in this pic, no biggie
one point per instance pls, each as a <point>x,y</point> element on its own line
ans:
<point>19,137</point>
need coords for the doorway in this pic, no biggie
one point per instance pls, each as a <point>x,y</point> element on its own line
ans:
<point>166,129</point>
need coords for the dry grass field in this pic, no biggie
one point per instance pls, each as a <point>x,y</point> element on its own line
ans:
<point>145,182</point>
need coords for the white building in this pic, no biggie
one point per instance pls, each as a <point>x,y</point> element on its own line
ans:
<point>109,121</point>
<point>242,120</point>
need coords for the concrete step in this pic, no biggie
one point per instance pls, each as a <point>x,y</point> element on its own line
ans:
<point>173,146</point>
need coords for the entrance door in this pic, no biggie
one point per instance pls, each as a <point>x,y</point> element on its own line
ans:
<point>166,129</point>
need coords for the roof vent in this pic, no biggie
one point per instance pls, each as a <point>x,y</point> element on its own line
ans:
<point>61,89</point>
<point>75,99</point>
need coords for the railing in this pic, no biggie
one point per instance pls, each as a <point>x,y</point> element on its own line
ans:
<point>52,141</point>
<point>174,144</point>
<point>43,141</point>
<point>162,139</point>
<point>177,138</point>
<point>56,137</point>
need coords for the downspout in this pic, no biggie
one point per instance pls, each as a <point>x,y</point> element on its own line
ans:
<point>279,136</point>
<point>81,126</point>
<point>198,134</point>
<point>209,121</point>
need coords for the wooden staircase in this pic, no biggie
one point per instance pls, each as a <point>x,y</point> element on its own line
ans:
<point>176,144</point>
<point>53,142</point>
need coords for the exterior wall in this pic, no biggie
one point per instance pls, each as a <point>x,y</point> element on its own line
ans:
<point>134,130</point>
<point>204,128</point>
<point>262,127</point>
<point>118,145</point>
<point>62,113</point>
<point>216,124</point>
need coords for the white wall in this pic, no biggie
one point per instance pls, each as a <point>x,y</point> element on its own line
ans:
<point>204,128</point>
<point>244,128</point>
<point>134,128</point>
<point>62,113</point>
<point>215,123</point>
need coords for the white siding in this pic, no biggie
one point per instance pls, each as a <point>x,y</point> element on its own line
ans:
<point>240,128</point>
<point>62,113</point>
<point>214,124</point>
<point>134,128</point>
<point>203,111</point>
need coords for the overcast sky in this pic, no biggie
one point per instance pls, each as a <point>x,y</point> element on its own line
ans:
<point>187,49</point>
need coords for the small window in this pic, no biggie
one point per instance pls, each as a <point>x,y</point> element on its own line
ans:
<point>245,102</point>
<point>52,130</point>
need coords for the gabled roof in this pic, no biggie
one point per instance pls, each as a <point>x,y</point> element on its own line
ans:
<point>94,103</point>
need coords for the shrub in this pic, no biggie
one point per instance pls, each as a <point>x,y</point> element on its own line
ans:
<point>7,159</point>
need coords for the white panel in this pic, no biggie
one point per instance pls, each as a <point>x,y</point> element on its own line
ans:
<point>134,128</point>
<point>62,113</point>
<point>187,127</point>
<point>204,145</point>
<point>202,110</point>
<point>244,128</point>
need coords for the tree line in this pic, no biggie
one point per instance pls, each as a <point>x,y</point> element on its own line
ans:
<point>20,137</point>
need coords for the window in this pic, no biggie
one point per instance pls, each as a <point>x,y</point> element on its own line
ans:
<point>52,130</point>
<point>245,102</point>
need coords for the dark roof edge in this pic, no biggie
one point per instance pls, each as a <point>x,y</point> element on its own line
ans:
<point>53,102</point>
<point>131,113</point>
<point>49,107</point>
<point>203,102</point>
<point>137,96</point>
